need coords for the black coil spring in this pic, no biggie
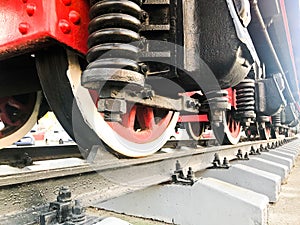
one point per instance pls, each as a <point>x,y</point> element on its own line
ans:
<point>245,98</point>
<point>217,99</point>
<point>276,120</point>
<point>114,25</point>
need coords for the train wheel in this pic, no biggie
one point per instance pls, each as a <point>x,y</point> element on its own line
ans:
<point>142,132</point>
<point>18,114</point>
<point>275,132</point>
<point>229,131</point>
<point>265,133</point>
<point>194,129</point>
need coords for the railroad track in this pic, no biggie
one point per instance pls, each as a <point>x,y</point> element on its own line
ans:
<point>102,176</point>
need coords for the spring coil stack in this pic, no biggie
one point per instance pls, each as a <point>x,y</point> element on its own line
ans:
<point>114,26</point>
<point>217,101</point>
<point>276,120</point>
<point>245,99</point>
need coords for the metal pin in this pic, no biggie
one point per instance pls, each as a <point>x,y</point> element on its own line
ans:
<point>239,155</point>
<point>217,161</point>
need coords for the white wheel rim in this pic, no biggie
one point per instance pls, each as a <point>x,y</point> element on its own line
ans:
<point>96,122</point>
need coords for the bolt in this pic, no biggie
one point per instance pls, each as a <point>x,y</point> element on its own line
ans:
<point>144,68</point>
<point>246,156</point>
<point>64,195</point>
<point>239,155</point>
<point>252,151</point>
<point>273,145</point>
<point>30,9</point>
<point>268,146</point>
<point>178,169</point>
<point>27,159</point>
<point>77,209</point>
<point>261,147</point>
<point>67,2</point>
<point>225,162</point>
<point>217,161</point>
<point>23,28</point>
<point>258,151</point>
<point>190,174</point>
<point>74,17</point>
<point>24,1</point>
<point>64,26</point>
<point>144,16</point>
<point>193,104</point>
<point>77,212</point>
<point>178,166</point>
<point>188,103</point>
<point>147,94</point>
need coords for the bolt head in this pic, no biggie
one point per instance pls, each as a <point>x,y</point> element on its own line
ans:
<point>24,28</point>
<point>30,9</point>
<point>64,26</point>
<point>74,17</point>
<point>67,2</point>
<point>64,195</point>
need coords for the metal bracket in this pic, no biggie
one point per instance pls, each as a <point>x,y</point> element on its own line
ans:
<point>253,152</point>
<point>179,178</point>
<point>217,163</point>
<point>66,212</point>
<point>239,155</point>
<point>113,102</point>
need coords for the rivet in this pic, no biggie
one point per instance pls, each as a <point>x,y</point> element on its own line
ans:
<point>30,9</point>
<point>64,26</point>
<point>67,2</point>
<point>23,28</point>
<point>74,17</point>
<point>24,1</point>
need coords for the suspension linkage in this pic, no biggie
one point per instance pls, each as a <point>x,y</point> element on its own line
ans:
<point>115,101</point>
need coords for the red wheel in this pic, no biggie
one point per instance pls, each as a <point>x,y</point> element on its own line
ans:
<point>229,131</point>
<point>141,124</point>
<point>265,133</point>
<point>194,129</point>
<point>142,131</point>
<point>18,114</point>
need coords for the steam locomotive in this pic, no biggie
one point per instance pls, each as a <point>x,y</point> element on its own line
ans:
<point>122,73</point>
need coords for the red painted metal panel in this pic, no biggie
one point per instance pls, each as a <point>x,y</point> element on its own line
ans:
<point>26,23</point>
<point>72,23</point>
<point>193,118</point>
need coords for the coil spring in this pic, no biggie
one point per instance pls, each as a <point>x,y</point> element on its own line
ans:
<point>276,120</point>
<point>217,99</point>
<point>245,98</point>
<point>114,25</point>
<point>217,102</point>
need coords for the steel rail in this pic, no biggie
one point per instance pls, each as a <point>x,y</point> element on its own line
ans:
<point>12,154</point>
<point>162,163</point>
<point>103,176</point>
